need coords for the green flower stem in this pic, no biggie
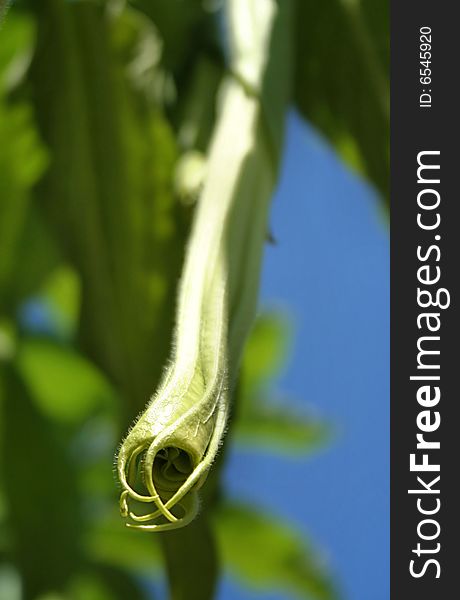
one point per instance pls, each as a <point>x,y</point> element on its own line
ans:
<point>165,458</point>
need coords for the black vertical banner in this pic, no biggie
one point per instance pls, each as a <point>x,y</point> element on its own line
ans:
<point>425,330</point>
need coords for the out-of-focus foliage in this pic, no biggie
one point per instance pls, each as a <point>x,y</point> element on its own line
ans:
<point>22,157</point>
<point>262,420</point>
<point>342,79</point>
<point>65,386</point>
<point>264,552</point>
<point>99,103</point>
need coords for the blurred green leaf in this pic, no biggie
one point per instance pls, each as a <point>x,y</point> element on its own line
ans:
<point>17,40</point>
<point>276,428</point>
<point>40,493</point>
<point>192,65</point>
<point>22,160</point>
<point>197,105</point>
<point>105,584</point>
<point>260,420</point>
<point>61,291</point>
<point>342,79</point>
<point>266,554</point>
<point>278,79</point>
<point>88,587</point>
<point>266,350</point>
<point>7,340</point>
<point>376,14</point>
<point>64,385</point>
<point>111,172</point>
<point>22,156</point>
<point>109,542</point>
<point>184,25</point>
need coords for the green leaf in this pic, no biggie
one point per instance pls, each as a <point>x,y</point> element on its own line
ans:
<point>61,292</point>
<point>22,156</point>
<point>64,385</point>
<point>36,255</point>
<point>276,428</point>
<point>265,351</point>
<point>108,193</point>
<point>184,27</point>
<point>342,79</point>
<point>267,554</point>
<point>22,160</point>
<point>278,79</point>
<point>104,584</point>
<point>43,509</point>
<point>260,420</point>
<point>197,105</point>
<point>109,542</point>
<point>17,39</point>
<point>88,587</point>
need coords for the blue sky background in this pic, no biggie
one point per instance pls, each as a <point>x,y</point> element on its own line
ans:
<point>330,271</point>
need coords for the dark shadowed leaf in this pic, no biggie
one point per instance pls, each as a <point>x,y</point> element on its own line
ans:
<point>104,584</point>
<point>184,25</point>
<point>342,79</point>
<point>112,169</point>
<point>191,561</point>
<point>22,160</point>
<point>36,255</point>
<point>109,542</point>
<point>22,155</point>
<point>40,493</point>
